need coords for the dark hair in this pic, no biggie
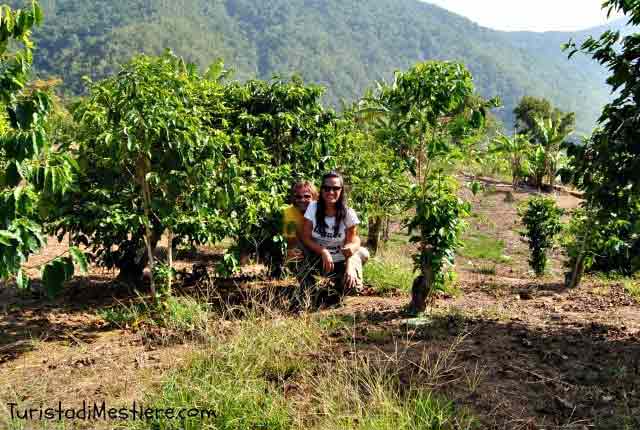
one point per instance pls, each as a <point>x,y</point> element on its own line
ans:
<point>341,206</point>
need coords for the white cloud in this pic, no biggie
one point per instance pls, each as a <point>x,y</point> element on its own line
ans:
<point>539,15</point>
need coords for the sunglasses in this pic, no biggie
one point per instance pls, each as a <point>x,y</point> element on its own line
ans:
<point>303,196</point>
<point>330,188</point>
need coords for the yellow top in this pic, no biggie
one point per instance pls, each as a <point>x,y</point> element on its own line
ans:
<point>292,220</point>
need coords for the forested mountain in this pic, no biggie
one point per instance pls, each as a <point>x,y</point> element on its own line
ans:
<point>343,45</point>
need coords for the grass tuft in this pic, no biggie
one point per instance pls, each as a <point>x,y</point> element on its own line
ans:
<point>361,395</point>
<point>125,315</point>
<point>334,324</point>
<point>183,314</point>
<point>241,377</point>
<point>480,246</point>
<point>389,271</point>
<point>632,287</point>
<point>485,270</point>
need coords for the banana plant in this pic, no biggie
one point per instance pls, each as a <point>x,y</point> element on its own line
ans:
<point>517,150</point>
<point>550,133</point>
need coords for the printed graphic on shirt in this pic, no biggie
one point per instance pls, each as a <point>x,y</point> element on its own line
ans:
<point>330,239</point>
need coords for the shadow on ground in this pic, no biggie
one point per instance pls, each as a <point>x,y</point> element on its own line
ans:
<point>30,317</point>
<point>512,375</point>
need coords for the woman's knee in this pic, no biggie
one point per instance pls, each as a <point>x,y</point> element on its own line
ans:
<point>363,253</point>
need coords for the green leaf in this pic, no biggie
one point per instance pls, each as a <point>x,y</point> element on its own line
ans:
<point>54,275</point>
<point>38,13</point>
<point>7,238</point>
<point>79,258</point>
<point>54,181</point>
<point>22,280</point>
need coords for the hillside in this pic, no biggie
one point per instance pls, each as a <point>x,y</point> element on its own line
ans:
<point>546,355</point>
<point>344,46</point>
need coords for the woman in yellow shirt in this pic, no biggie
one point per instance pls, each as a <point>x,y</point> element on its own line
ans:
<point>302,193</point>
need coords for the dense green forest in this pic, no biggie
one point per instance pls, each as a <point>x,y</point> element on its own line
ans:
<point>344,46</point>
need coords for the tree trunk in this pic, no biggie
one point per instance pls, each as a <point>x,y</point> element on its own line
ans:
<point>373,238</point>
<point>245,249</point>
<point>169,258</point>
<point>386,231</point>
<point>576,273</point>
<point>552,175</point>
<point>421,290</point>
<point>515,171</point>
<point>539,181</point>
<point>578,268</point>
<point>147,236</point>
<point>142,168</point>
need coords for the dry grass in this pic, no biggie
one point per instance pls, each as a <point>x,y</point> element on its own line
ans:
<point>270,370</point>
<point>255,366</point>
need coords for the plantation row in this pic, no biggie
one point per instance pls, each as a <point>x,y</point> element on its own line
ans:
<point>163,148</point>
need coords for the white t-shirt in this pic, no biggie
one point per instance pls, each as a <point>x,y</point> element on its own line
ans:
<point>332,242</point>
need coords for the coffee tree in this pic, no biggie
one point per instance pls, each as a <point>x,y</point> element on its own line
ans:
<point>541,218</point>
<point>431,107</point>
<point>283,133</point>
<point>151,164</point>
<point>439,224</point>
<point>377,180</point>
<point>36,170</point>
<point>606,166</point>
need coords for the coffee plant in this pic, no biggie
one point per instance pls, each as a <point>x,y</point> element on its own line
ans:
<point>430,109</point>
<point>377,180</point>
<point>36,170</point>
<point>150,163</point>
<point>541,218</point>
<point>437,226</point>
<point>605,167</point>
<point>283,134</point>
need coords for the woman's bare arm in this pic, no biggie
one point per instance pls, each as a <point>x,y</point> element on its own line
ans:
<point>351,242</point>
<point>351,246</point>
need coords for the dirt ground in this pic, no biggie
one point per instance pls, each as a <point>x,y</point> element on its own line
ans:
<point>519,352</point>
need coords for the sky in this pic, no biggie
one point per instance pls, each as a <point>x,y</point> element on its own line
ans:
<point>538,15</point>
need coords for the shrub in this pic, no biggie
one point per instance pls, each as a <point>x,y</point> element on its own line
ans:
<point>542,221</point>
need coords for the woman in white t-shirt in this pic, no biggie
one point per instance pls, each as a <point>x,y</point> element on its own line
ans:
<point>330,231</point>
